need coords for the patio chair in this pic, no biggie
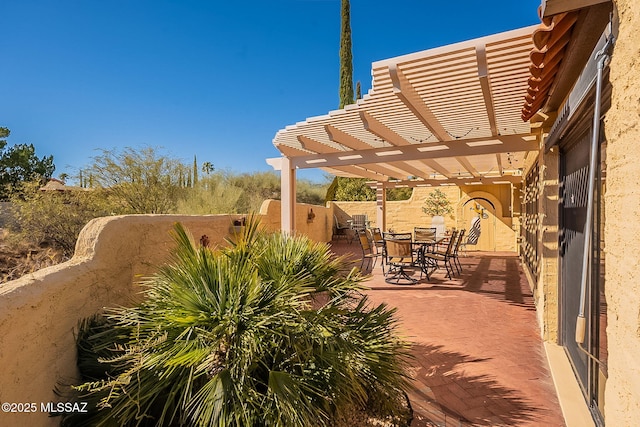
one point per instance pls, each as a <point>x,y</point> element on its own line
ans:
<point>399,256</point>
<point>473,236</point>
<point>367,251</point>
<point>377,242</point>
<point>456,259</point>
<point>424,234</point>
<point>340,230</point>
<point>396,236</point>
<point>359,222</point>
<point>446,256</point>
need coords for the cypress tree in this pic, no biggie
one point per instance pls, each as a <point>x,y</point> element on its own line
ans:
<point>346,57</point>
<point>346,74</point>
<point>195,171</point>
<point>358,90</point>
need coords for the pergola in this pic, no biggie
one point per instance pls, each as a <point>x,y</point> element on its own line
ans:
<point>444,116</point>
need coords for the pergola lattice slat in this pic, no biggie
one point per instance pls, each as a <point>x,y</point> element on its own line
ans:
<point>446,115</point>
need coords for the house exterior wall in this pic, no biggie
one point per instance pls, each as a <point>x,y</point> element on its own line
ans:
<point>622,228</point>
<point>544,282</point>
<point>547,289</point>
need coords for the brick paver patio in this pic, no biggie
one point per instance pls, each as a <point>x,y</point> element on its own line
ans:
<point>479,359</point>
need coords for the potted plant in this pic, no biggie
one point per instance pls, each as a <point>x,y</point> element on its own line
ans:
<point>437,205</point>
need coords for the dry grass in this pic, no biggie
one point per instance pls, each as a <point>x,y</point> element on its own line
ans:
<point>18,258</point>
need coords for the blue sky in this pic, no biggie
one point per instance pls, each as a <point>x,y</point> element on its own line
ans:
<point>215,79</point>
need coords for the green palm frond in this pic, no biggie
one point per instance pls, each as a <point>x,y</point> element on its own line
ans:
<point>237,337</point>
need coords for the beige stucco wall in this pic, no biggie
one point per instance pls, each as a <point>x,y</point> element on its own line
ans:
<point>404,215</point>
<point>318,228</point>
<point>622,228</point>
<point>39,312</point>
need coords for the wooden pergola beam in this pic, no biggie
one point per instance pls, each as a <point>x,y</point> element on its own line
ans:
<point>381,130</point>
<point>405,91</point>
<point>485,84</point>
<point>507,179</point>
<point>468,166</point>
<point>420,152</point>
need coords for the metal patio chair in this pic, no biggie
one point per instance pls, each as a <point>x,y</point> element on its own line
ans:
<point>456,258</point>
<point>446,256</point>
<point>399,256</point>
<point>368,253</point>
<point>359,222</point>
<point>473,236</point>
<point>377,243</point>
<point>340,230</point>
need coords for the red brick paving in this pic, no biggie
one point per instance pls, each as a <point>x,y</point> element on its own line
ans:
<point>479,359</point>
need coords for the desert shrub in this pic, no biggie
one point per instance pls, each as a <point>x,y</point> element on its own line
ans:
<point>357,189</point>
<point>226,192</point>
<point>213,195</point>
<point>269,332</point>
<point>58,217</point>
<point>145,180</point>
<point>310,192</point>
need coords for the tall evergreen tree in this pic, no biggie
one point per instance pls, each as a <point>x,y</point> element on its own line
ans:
<point>358,90</point>
<point>195,171</point>
<point>346,74</point>
<point>346,57</point>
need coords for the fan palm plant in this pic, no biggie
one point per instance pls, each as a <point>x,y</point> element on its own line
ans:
<point>239,337</point>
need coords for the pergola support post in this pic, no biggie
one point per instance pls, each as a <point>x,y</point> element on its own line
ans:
<point>381,206</point>
<point>288,196</point>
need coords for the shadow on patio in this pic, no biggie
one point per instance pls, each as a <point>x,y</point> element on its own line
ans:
<point>479,359</point>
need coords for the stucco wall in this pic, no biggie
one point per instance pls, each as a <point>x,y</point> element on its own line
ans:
<point>39,312</point>
<point>318,228</point>
<point>406,214</point>
<point>622,205</point>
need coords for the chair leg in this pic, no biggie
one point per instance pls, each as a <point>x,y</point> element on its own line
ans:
<point>422,261</point>
<point>457,261</point>
<point>452,261</point>
<point>400,275</point>
<point>449,271</point>
<point>452,266</point>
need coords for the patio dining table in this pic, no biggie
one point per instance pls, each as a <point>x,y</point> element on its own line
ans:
<point>419,247</point>
<point>423,246</point>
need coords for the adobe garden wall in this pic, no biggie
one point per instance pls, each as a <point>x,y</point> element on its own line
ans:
<point>40,312</point>
<point>406,214</point>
